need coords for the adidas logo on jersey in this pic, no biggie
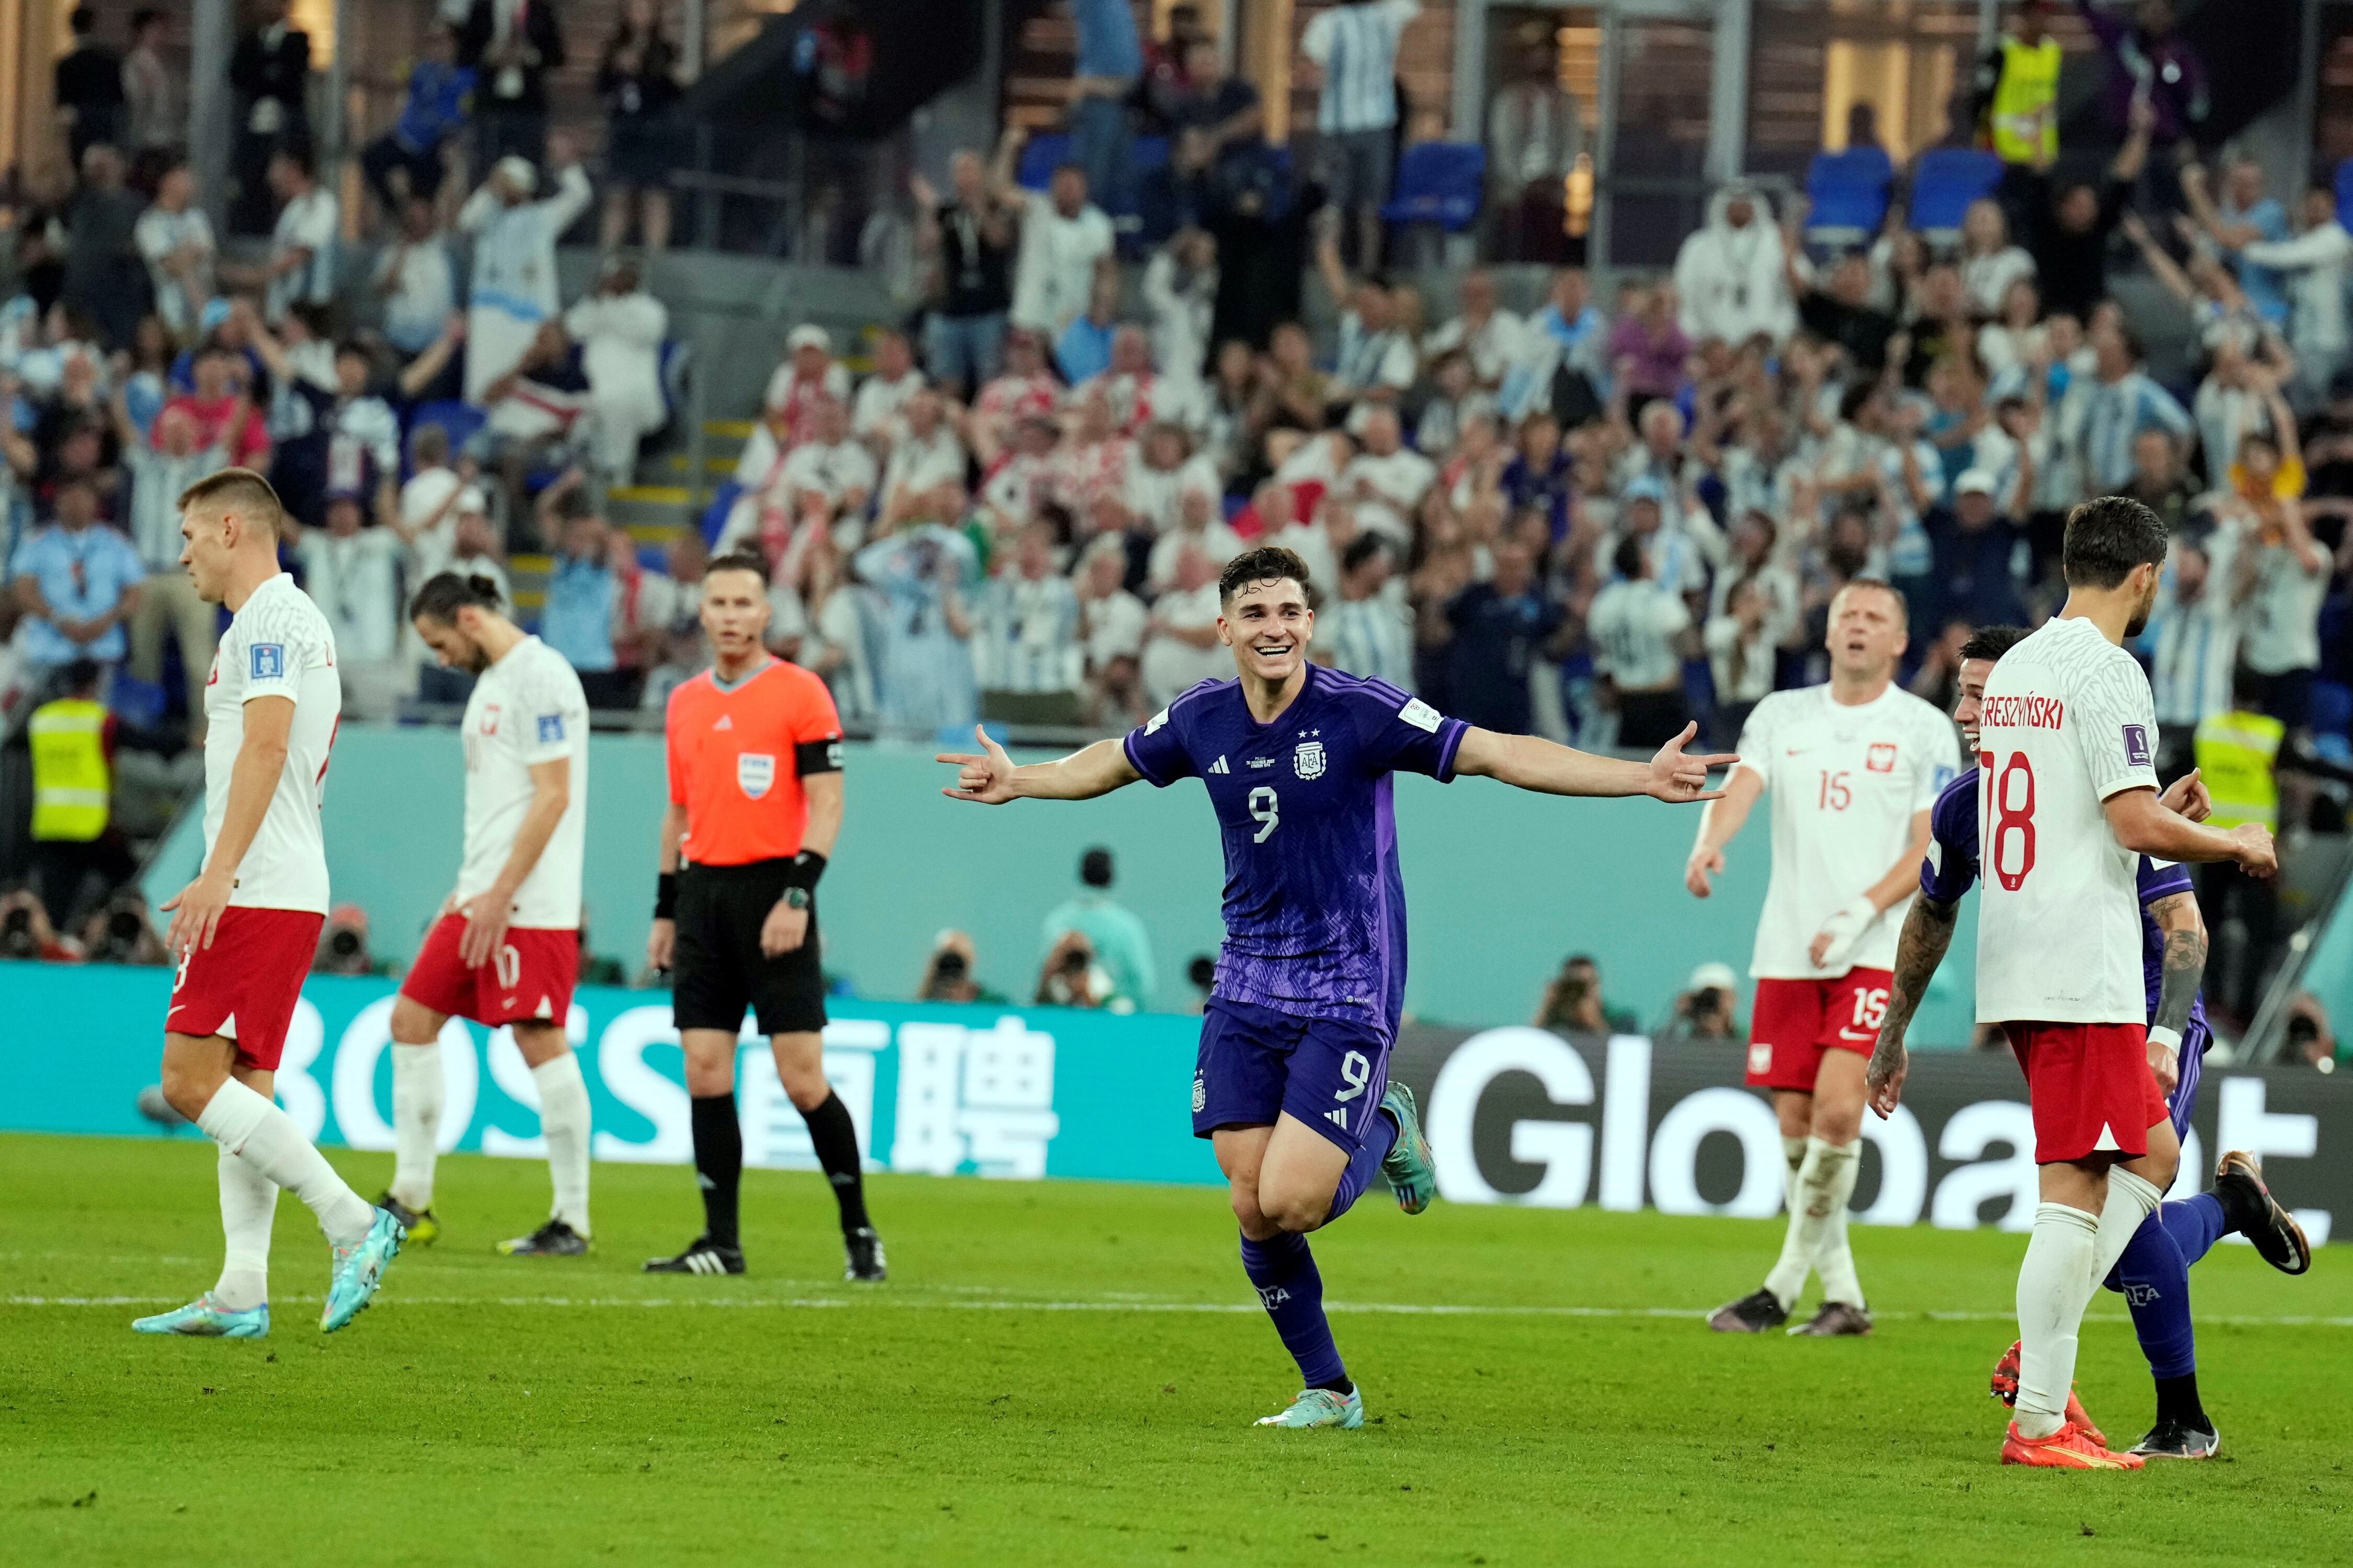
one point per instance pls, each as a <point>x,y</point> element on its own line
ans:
<point>1219,765</point>
<point>1338,1118</point>
<point>726,721</point>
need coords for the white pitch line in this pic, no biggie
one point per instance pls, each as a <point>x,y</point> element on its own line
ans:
<point>1399,1308</point>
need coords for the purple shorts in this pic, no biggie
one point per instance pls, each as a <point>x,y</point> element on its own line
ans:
<point>2188,1063</point>
<point>1256,1063</point>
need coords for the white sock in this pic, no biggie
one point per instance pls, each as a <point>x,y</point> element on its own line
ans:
<point>1834,1173</point>
<point>248,1202</point>
<point>1788,1278</point>
<point>2054,1286</point>
<point>244,1123</point>
<point>2130,1201</point>
<point>1793,1155</point>
<point>564,1121</point>
<point>416,1121</point>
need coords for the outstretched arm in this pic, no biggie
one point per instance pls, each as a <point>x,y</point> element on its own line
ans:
<point>1527,762</point>
<point>2182,968</point>
<point>2147,825</point>
<point>1919,948</point>
<point>992,779</point>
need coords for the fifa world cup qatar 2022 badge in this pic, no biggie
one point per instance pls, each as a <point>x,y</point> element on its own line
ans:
<point>1308,760</point>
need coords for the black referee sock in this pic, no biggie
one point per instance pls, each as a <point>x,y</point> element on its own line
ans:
<point>718,1163</point>
<point>834,1138</point>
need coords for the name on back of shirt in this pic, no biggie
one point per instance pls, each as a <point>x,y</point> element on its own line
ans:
<point>2028,713</point>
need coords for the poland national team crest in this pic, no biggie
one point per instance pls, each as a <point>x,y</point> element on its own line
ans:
<point>1882,759</point>
<point>1309,759</point>
<point>754,772</point>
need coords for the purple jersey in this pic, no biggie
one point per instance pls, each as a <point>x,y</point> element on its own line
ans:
<point>1314,906</point>
<point>1951,868</point>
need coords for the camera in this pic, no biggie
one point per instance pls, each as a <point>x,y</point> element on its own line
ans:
<point>345,942</point>
<point>948,966</point>
<point>1076,962</point>
<point>17,940</point>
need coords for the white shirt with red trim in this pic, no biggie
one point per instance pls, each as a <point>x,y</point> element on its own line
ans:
<point>277,645</point>
<point>1845,784</point>
<point>527,709</point>
<point>2068,722</point>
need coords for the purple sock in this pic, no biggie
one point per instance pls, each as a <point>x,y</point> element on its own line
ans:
<point>1364,1165</point>
<point>1291,1291</point>
<point>2195,1223</point>
<point>2155,1279</point>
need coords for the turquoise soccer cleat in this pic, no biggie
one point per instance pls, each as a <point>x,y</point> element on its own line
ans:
<point>205,1318</point>
<point>359,1269</point>
<point>1408,1167</point>
<point>1321,1407</point>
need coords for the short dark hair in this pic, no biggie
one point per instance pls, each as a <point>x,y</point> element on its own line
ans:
<point>143,17</point>
<point>1361,549</point>
<point>83,20</point>
<point>751,561</point>
<point>1094,867</point>
<point>2248,687</point>
<point>1627,560</point>
<point>1267,563</point>
<point>2107,536</point>
<point>240,490</point>
<point>81,675</point>
<point>1989,643</point>
<point>447,592</point>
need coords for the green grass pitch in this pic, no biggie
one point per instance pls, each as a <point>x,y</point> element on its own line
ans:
<point>1066,1373</point>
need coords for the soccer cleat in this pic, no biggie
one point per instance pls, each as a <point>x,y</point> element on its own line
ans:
<point>2069,1448</point>
<point>1408,1167</point>
<point>861,1261</point>
<point>2279,1240</point>
<point>1321,1407</point>
<point>1752,1314</point>
<point>1834,1319</point>
<point>359,1270</point>
<point>205,1318</point>
<point>2177,1440</point>
<point>2005,1388</point>
<point>554,1239</point>
<point>702,1256</point>
<point>423,1229</point>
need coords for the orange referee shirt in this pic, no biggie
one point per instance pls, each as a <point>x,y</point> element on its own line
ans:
<point>737,756</point>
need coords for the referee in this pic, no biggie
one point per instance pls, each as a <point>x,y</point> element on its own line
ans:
<point>755,750</point>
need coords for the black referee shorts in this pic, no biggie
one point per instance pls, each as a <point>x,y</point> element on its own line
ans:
<point>717,969</point>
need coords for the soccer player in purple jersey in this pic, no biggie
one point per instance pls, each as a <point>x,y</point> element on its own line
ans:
<point>1292,1086</point>
<point>2153,1274</point>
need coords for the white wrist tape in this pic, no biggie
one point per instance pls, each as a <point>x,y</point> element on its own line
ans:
<point>2158,1034</point>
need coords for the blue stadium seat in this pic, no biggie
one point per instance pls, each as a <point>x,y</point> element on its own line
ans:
<point>138,703</point>
<point>1849,194</point>
<point>1944,181</point>
<point>2344,184</point>
<point>1041,156</point>
<point>460,420</point>
<point>1439,183</point>
<point>2332,707</point>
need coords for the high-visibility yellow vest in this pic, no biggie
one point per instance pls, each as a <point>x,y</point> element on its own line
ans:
<point>72,785</point>
<point>2236,752</point>
<point>2024,119</point>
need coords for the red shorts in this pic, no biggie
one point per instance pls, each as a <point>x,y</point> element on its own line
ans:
<point>1795,1021</point>
<point>2090,1086</point>
<point>244,986</point>
<point>528,980</point>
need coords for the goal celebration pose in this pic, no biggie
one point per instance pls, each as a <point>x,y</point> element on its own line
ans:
<point>1853,766</point>
<point>506,948</point>
<point>244,931</point>
<point>1292,1083</point>
<point>2066,741</point>
<point>2153,1273</point>
<point>755,750</point>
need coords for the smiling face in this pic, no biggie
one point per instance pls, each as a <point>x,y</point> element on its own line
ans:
<point>1972,683</point>
<point>1268,624</point>
<point>1867,633</point>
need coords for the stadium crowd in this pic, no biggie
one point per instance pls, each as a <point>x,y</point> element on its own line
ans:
<point>1622,508</point>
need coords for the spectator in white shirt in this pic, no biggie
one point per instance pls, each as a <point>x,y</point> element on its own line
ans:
<point>831,472</point>
<point>1376,361</point>
<point>1387,479</point>
<point>2194,642</point>
<point>2280,573</point>
<point>924,477</point>
<point>514,285</point>
<point>1199,530</point>
<point>1063,236</point>
<point>1318,541</point>
<point>1181,290</point>
<point>620,329</point>
<point>1366,627</point>
<point>1181,646</point>
<point>1026,636</point>
<point>1169,468</point>
<point>2316,262</point>
<point>1112,622</point>
<point>1351,51</point>
<point>1740,641</point>
<point>1639,628</point>
<point>417,280</point>
<point>1730,277</point>
<point>301,267</point>
<point>1491,337</point>
<point>177,240</point>
<point>1989,263</point>
<point>874,416</point>
<point>352,574</point>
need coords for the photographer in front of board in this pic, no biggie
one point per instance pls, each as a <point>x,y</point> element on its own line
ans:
<point>1703,1013</point>
<point>1573,1003</point>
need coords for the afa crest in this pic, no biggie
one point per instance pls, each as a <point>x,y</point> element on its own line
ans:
<point>1308,761</point>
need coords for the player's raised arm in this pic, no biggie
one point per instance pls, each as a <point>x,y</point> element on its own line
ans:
<point>1528,762</point>
<point>2145,825</point>
<point>1920,947</point>
<point>260,758</point>
<point>992,779</point>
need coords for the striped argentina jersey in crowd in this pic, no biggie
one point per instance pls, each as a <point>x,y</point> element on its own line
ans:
<point>1027,639</point>
<point>1356,45</point>
<point>1315,903</point>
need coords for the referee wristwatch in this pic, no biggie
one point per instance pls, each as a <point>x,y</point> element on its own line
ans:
<point>797,898</point>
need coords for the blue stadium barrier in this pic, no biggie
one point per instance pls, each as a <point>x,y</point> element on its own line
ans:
<point>2343,185</point>
<point>1944,181</point>
<point>138,703</point>
<point>1848,192</point>
<point>1041,156</point>
<point>1439,183</point>
<point>714,516</point>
